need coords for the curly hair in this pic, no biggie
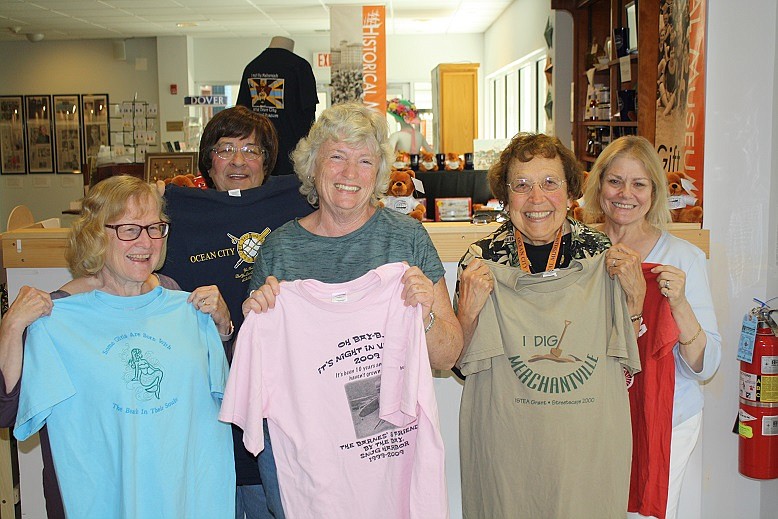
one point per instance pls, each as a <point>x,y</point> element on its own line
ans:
<point>641,150</point>
<point>107,201</point>
<point>526,146</point>
<point>354,124</point>
<point>238,122</point>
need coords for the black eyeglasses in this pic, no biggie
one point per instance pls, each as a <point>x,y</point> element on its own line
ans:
<point>523,186</point>
<point>249,151</point>
<point>131,231</point>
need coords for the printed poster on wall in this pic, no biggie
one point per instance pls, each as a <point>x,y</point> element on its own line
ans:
<point>12,149</point>
<point>67,133</point>
<point>40,149</point>
<point>680,103</point>
<point>358,54</point>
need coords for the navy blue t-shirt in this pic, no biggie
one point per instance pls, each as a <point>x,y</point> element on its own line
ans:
<point>214,239</point>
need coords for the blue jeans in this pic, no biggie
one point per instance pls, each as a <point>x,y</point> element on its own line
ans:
<point>261,501</point>
<point>250,503</point>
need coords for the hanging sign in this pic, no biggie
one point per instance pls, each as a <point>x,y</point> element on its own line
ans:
<point>358,54</point>
<point>206,100</point>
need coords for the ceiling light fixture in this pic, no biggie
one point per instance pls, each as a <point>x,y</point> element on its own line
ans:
<point>184,25</point>
<point>35,36</point>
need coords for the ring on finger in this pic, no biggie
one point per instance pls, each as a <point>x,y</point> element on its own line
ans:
<point>667,283</point>
<point>665,292</point>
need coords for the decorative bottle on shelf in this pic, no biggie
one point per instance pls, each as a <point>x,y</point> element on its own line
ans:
<point>591,109</point>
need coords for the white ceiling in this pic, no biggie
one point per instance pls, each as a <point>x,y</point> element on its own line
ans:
<point>120,19</point>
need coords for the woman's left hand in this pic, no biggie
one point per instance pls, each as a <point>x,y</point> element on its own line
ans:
<point>208,300</point>
<point>672,284</point>
<point>418,289</point>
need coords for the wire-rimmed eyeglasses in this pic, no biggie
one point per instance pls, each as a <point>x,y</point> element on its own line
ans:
<point>249,151</point>
<point>131,231</point>
<point>523,186</point>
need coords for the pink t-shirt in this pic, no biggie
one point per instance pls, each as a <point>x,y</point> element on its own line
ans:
<point>342,375</point>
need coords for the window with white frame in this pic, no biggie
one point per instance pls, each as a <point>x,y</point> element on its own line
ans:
<point>516,97</point>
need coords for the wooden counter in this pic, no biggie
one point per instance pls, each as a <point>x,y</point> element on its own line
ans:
<point>34,248</point>
<point>452,238</point>
<point>41,248</point>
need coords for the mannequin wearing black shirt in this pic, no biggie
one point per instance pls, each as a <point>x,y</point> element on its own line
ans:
<point>280,85</point>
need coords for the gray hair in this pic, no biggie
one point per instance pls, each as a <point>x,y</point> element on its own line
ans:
<point>352,123</point>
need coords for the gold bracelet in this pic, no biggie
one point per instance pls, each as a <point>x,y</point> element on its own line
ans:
<point>636,317</point>
<point>686,343</point>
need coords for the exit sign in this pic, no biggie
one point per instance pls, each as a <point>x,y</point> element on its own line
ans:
<point>321,59</point>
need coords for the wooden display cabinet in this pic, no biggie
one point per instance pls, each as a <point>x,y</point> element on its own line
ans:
<point>593,22</point>
<point>455,105</point>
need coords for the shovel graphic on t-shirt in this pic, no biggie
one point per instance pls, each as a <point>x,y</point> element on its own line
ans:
<point>556,352</point>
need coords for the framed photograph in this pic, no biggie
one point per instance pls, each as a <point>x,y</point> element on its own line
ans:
<point>40,146</point>
<point>13,152</point>
<point>94,115</point>
<point>160,166</point>
<point>67,133</point>
<point>458,209</point>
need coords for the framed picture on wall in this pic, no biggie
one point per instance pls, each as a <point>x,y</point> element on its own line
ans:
<point>94,115</point>
<point>160,166</point>
<point>67,133</point>
<point>13,153</point>
<point>40,145</point>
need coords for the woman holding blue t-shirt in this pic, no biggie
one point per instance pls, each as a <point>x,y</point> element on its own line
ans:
<point>114,248</point>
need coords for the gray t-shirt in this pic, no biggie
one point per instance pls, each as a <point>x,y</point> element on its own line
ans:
<point>545,426</point>
<point>291,252</point>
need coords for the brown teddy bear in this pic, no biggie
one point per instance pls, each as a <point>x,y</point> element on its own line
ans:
<point>401,160</point>
<point>684,206</point>
<point>454,163</point>
<point>181,180</point>
<point>427,161</point>
<point>576,209</point>
<point>399,196</point>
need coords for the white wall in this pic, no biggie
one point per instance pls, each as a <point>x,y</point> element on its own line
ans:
<point>517,32</point>
<point>222,60</point>
<point>740,157</point>
<point>68,67</point>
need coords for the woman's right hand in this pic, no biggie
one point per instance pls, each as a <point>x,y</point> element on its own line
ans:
<point>475,285</point>
<point>625,264</point>
<point>28,306</point>
<point>263,298</point>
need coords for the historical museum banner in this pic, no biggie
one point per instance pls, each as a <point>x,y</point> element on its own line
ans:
<point>358,54</point>
<point>680,103</point>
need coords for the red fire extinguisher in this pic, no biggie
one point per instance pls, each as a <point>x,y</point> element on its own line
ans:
<point>758,412</point>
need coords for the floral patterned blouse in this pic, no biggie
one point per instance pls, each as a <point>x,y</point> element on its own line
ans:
<point>500,247</point>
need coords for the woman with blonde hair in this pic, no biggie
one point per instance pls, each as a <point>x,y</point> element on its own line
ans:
<point>627,187</point>
<point>73,379</point>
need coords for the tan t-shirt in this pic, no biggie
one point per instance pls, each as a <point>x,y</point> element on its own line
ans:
<point>544,421</point>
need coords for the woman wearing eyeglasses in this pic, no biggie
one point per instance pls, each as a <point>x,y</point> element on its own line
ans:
<point>215,239</point>
<point>122,376</point>
<point>544,419</point>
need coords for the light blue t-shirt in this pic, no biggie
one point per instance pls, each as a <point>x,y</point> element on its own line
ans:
<point>130,388</point>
